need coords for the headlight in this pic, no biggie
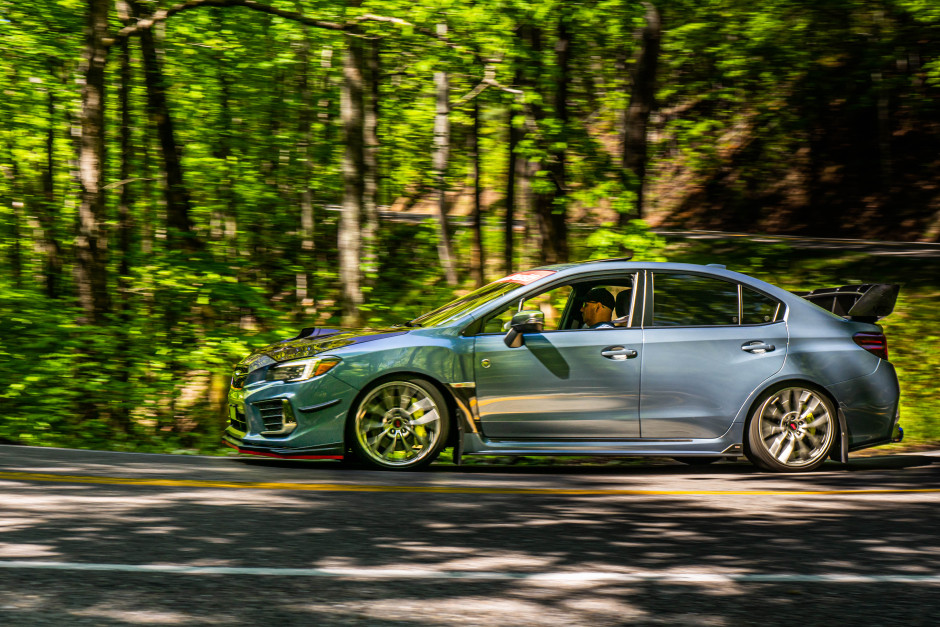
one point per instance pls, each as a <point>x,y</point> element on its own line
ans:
<point>302,369</point>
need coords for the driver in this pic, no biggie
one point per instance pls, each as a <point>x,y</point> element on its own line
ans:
<point>596,308</point>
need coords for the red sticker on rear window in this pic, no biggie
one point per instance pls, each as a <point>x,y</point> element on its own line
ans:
<point>524,278</point>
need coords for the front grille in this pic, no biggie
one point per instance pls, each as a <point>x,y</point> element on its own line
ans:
<point>272,414</point>
<point>236,418</point>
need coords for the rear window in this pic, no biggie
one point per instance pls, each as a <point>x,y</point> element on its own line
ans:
<point>681,300</point>
<point>694,300</point>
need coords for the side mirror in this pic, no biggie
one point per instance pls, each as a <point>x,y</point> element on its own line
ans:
<point>523,322</point>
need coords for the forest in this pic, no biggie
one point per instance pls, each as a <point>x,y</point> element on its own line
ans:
<point>182,181</point>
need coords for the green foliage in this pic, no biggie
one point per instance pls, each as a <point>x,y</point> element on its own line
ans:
<point>746,94</point>
<point>635,240</point>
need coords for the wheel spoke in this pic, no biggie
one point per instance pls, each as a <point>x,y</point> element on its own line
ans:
<point>391,447</point>
<point>803,451</point>
<point>824,419</point>
<point>421,439</point>
<point>427,418</point>
<point>810,411</point>
<point>775,447</point>
<point>371,425</point>
<point>787,451</point>
<point>375,440</point>
<point>406,397</point>
<point>813,440</point>
<point>771,428</point>
<point>421,405</point>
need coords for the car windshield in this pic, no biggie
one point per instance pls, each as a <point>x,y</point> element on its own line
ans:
<point>457,308</point>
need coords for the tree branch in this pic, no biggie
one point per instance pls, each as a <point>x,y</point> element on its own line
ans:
<point>488,80</point>
<point>427,32</point>
<point>164,14</point>
<point>349,27</point>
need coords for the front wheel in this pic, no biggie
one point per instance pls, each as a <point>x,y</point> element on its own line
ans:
<point>791,430</point>
<point>400,425</point>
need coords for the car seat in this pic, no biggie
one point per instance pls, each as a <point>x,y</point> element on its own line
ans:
<point>622,308</point>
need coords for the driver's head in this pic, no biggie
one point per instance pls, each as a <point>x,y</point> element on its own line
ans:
<point>597,306</point>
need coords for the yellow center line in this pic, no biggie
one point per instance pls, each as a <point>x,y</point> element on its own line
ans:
<point>353,487</point>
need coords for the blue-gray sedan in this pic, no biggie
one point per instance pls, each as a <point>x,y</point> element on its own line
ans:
<point>605,357</point>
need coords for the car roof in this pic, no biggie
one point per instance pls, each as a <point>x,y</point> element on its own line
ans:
<point>565,271</point>
<point>624,264</point>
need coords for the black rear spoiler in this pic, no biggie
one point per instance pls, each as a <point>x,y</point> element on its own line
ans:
<point>863,303</point>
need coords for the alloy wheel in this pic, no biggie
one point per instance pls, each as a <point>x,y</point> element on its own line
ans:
<point>792,430</point>
<point>400,424</point>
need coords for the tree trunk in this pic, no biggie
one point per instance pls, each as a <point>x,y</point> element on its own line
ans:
<point>558,218</point>
<point>90,258</point>
<point>16,204</point>
<point>510,217</point>
<point>52,272</point>
<point>370,201</point>
<point>305,121</point>
<point>323,148</point>
<point>353,183</point>
<point>225,218</point>
<point>641,105</point>
<point>122,419</point>
<point>476,258</point>
<point>549,197</point>
<point>440,160</point>
<point>179,223</point>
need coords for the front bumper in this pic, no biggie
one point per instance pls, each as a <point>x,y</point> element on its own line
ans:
<point>303,420</point>
<point>328,452</point>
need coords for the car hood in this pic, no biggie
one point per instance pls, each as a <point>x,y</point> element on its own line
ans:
<point>300,348</point>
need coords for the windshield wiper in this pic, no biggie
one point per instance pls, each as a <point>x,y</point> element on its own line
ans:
<point>411,324</point>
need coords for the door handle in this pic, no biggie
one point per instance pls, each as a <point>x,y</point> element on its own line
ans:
<point>618,353</point>
<point>758,347</point>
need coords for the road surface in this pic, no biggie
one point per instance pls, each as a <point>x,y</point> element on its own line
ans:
<point>95,538</point>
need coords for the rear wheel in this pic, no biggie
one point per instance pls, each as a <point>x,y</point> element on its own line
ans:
<point>791,430</point>
<point>400,425</point>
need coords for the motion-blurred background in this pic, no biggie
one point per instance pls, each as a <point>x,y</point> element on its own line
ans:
<point>179,183</point>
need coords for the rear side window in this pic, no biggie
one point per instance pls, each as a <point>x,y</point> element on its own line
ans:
<point>758,308</point>
<point>681,300</point>
<point>689,300</point>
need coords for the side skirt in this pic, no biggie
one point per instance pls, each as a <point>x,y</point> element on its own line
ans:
<point>728,445</point>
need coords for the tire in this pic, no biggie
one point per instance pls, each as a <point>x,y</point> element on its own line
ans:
<point>792,430</point>
<point>697,461</point>
<point>401,424</point>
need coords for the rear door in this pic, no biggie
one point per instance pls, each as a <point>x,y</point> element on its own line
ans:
<point>707,344</point>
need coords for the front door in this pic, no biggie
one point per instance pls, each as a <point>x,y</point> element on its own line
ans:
<point>559,385</point>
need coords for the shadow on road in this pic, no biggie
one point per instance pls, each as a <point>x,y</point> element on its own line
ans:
<point>479,532</point>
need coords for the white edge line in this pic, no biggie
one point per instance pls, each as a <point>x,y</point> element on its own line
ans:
<point>417,573</point>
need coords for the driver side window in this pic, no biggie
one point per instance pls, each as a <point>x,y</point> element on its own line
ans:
<point>565,306</point>
<point>551,303</point>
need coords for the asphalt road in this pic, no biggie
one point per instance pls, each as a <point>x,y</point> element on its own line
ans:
<point>93,538</point>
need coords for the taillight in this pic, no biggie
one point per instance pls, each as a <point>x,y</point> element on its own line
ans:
<point>874,343</point>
